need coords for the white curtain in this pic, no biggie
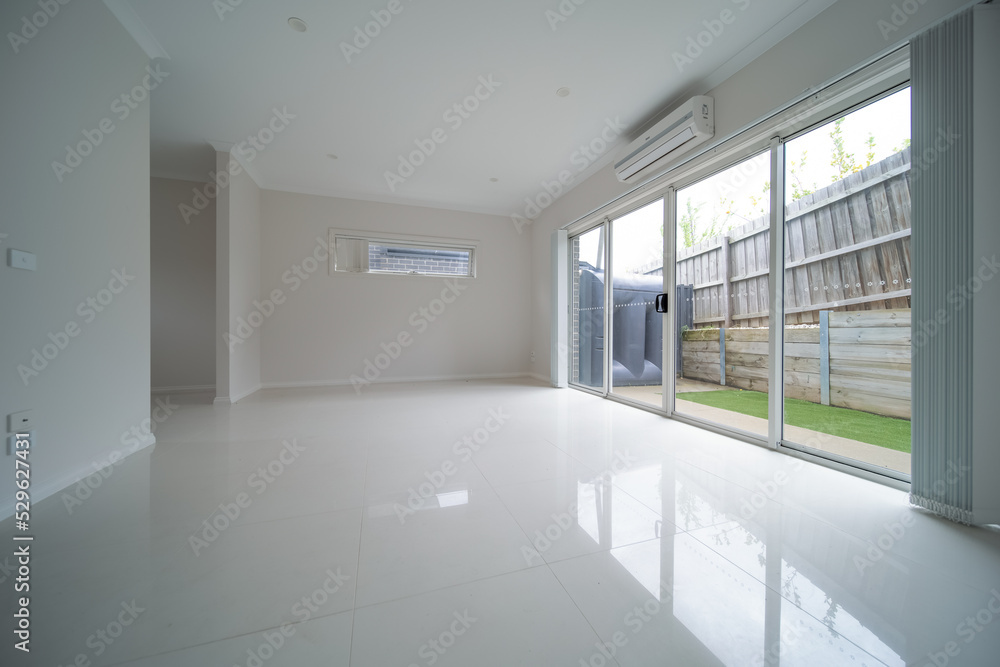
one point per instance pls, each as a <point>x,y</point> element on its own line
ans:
<point>942,246</point>
<point>351,254</point>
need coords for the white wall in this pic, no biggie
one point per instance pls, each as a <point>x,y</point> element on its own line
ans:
<point>328,325</point>
<point>222,280</point>
<point>245,283</point>
<point>844,36</point>
<point>238,262</point>
<point>60,84</point>
<point>182,286</point>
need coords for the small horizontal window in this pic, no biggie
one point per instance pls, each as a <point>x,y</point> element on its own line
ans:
<point>360,254</point>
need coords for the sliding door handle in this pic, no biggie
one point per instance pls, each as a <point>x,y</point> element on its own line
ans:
<point>661,303</point>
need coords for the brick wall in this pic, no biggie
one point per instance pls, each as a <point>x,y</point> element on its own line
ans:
<point>380,259</point>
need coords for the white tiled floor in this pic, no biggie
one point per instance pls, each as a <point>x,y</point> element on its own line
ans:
<point>399,530</point>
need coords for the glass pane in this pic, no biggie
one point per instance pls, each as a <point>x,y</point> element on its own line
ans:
<point>587,304</point>
<point>418,259</point>
<point>637,329</point>
<point>847,286</point>
<point>723,283</point>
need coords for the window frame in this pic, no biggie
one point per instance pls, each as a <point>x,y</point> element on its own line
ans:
<point>405,241</point>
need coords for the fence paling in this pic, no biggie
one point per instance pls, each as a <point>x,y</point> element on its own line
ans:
<point>847,247</point>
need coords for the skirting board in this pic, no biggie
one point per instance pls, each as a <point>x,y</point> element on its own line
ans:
<point>230,400</point>
<point>426,378</point>
<point>40,492</point>
<point>191,389</point>
<point>542,378</point>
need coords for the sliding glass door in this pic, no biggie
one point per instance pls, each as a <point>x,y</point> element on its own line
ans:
<point>790,304</point>
<point>619,349</point>
<point>723,228</point>
<point>848,278</point>
<point>636,327</point>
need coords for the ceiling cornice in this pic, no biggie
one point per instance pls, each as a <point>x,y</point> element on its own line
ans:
<point>252,172</point>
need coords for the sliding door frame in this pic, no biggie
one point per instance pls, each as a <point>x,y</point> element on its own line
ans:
<point>893,477</point>
<point>632,207</point>
<point>731,159</point>
<point>607,222</point>
<point>670,289</point>
<point>867,83</point>
<point>572,236</point>
<point>776,307</point>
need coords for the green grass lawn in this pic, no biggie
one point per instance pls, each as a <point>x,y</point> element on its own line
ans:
<point>862,426</point>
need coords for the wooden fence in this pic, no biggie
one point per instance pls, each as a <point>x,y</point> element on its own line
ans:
<point>847,247</point>
<point>858,360</point>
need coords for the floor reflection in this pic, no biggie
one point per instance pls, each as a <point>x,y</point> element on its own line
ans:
<point>765,577</point>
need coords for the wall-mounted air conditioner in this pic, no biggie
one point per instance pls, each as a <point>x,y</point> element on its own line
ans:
<point>691,124</point>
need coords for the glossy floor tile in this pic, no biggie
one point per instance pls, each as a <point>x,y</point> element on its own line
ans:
<point>319,641</point>
<point>490,523</point>
<point>569,517</point>
<point>523,618</point>
<point>452,537</point>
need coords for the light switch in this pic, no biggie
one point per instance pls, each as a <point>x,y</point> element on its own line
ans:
<point>18,422</point>
<point>19,259</point>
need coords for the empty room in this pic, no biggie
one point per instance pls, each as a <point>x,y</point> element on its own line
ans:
<point>554,333</point>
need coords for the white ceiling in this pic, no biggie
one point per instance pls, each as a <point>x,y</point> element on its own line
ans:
<point>616,57</point>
